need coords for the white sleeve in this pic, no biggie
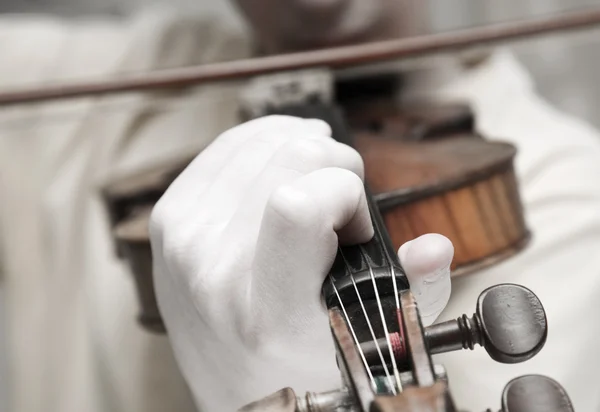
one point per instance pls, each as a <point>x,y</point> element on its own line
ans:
<point>558,167</point>
<point>73,338</point>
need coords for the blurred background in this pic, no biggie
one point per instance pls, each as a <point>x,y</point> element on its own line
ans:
<point>565,67</point>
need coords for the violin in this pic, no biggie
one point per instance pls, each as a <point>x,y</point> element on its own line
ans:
<point>427,170</point>
<point>483,220</point>
<point>383,350</point>
<point>455,184</point>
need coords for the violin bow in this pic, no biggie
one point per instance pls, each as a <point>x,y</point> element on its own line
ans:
<point>333,58</point>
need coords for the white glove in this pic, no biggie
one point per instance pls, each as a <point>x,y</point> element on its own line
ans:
<point>242,242</point>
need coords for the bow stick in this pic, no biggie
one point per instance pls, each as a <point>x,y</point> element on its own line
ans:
<point>334,58</point>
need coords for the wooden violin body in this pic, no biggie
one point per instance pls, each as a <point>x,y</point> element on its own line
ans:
<point>448,180</point>
<point>428,170</point>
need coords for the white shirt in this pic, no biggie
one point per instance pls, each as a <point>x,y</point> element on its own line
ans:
<point>558,167</point>
<point>73,339</point>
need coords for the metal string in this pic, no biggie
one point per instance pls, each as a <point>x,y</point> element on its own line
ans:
<point>356,342</point>
<point>394,282</point>
<point>396,293</point>
<point>385,328</point>
<point>383,362</point>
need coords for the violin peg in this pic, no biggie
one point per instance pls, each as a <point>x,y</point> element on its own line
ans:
<point>513,323</point>
<point>510,323</point>
<point>535,393</point>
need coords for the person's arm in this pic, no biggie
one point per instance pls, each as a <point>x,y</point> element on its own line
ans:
<point>242,242</point>
<point>558,168</point>
<point>65,285</point>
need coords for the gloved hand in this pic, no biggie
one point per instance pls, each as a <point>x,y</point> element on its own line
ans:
<point>242,242</point>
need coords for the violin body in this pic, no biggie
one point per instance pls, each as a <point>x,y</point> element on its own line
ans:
<point>427,169</point>
<point>460,186</point>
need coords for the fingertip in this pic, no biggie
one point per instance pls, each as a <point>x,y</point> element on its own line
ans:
<point>426,261</point>
<point>352,159</point>
<point>426,254</point>
<point>360,232</point>
<point>403,251</point>
<point>318,127</point>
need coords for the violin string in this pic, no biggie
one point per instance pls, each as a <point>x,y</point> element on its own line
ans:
<point>377,346</point>
<point>394,365</point>
<point>360,351</point>
<point>384,323</point>
<point>383,362</point>
<point>397,300</point>
<point>396,293</point>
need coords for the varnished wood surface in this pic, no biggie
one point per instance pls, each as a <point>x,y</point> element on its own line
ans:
<point>484,221</point>
<point>396,166</point>
<point>427,399</point>
<point>134,229</point>
<point>133,242</point>
<point>460,187</point>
